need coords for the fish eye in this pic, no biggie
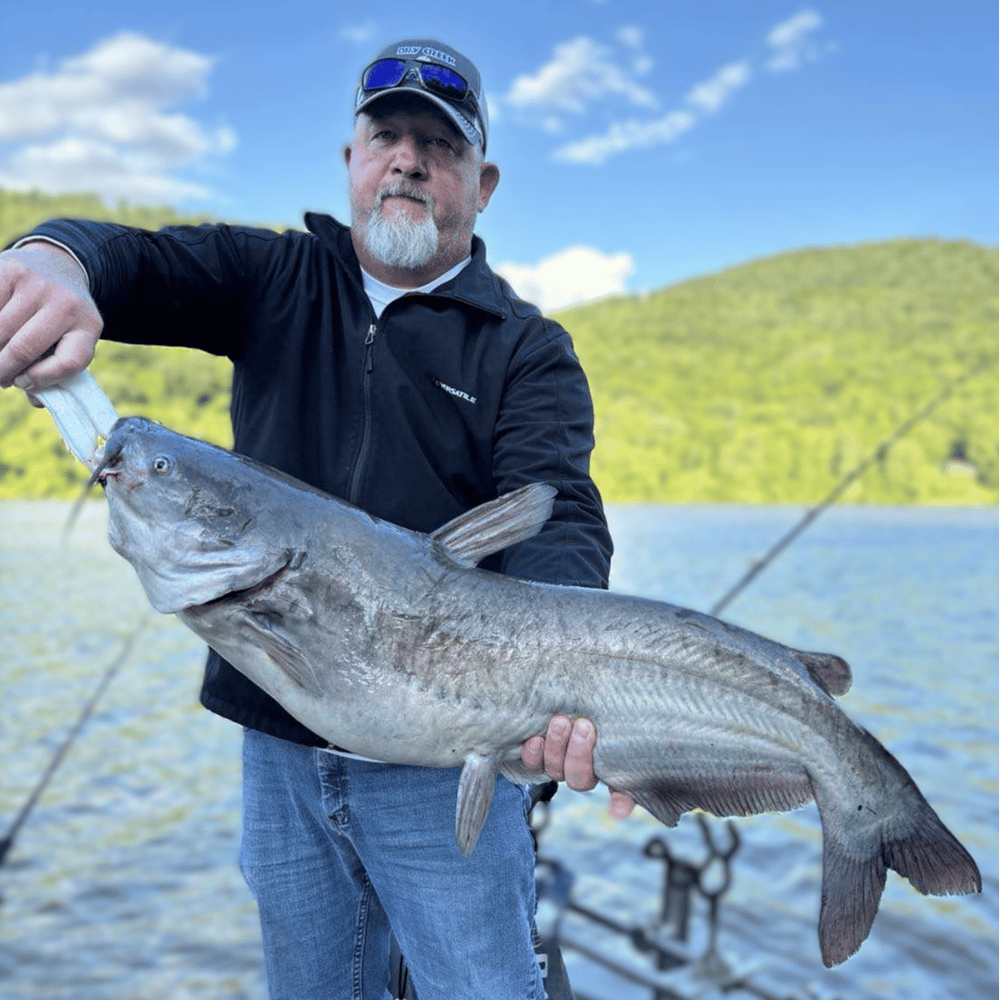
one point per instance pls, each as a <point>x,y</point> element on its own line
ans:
<point>162,465</point>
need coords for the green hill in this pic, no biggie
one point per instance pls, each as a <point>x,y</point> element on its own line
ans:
<point>770,381</point>
<point>766,382</point>
<point>21,211</point>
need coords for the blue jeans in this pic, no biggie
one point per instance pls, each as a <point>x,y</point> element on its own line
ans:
<point>338,851</point>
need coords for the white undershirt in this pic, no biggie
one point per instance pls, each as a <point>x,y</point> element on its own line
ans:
<point>380,294</point>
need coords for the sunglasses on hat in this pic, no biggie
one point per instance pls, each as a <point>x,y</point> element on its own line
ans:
<point>444,76</point>
<point>439,80</point>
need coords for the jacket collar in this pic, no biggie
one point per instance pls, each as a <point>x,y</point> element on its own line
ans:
<point>475,285</point>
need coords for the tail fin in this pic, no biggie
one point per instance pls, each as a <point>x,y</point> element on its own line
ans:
<point>930,857</point>
<point>852,888</point>
<point>933,860</point>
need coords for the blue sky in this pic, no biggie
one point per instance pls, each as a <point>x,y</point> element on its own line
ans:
<point>639,142</point>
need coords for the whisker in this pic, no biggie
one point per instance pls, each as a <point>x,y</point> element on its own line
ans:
<point>107,460</point>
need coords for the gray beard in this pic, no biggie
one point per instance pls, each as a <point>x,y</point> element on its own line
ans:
<point>400,242</point>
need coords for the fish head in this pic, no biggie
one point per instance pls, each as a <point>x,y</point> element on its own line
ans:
<point>186,516</point>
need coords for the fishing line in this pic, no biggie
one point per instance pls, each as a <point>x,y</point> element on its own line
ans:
<point>8,841</point>
<point>859,470</point>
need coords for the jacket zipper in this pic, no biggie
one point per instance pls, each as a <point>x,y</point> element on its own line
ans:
<point>363,448</point>
<point>359,462</point>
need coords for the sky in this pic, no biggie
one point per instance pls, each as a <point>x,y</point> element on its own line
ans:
<point>639,143</point>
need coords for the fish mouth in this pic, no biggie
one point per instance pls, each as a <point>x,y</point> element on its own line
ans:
<point>109,466</point>
<point>246,595</point>
<point>105,469</point>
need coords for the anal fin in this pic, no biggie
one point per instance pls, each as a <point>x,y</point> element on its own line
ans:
<point>736,793</point>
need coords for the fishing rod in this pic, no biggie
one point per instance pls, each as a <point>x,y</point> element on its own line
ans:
<point>84,417</point>
<point>878,454</point>
<point>88,709</point>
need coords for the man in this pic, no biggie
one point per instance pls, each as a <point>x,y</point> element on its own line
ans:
<point>388,365</point>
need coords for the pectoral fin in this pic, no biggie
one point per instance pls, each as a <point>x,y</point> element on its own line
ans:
<point>283,653</point>
<point>475,794</point>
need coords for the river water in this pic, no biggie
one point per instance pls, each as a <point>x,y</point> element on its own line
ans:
<point>123,883</point>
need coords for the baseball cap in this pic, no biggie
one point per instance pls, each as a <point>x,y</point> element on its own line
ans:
<point>434,71</point>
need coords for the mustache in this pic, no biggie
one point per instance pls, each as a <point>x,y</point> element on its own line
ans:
<point>405,189</point>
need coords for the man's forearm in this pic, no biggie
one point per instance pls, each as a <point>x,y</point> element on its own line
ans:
<point>42,241</point>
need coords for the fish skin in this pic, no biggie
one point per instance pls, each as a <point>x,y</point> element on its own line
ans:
<point>392,644</point>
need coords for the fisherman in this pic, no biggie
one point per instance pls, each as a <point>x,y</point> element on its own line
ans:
<point>386,364</point>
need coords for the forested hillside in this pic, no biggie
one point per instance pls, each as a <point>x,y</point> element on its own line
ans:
<point>766,382</point>
<point>19,212</point>
<point>770,381</point>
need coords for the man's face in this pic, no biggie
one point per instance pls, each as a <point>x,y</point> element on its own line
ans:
<point>416,187</point>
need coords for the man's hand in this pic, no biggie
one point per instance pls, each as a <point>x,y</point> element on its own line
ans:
<point>566,753</point>
<point>44,302</point>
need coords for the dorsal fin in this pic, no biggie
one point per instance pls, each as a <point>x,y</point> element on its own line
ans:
<point>830,672</point>
<point>496,524</point>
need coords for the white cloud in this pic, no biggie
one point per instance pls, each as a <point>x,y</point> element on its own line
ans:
<point>712,94</point>
<point>225,140</point>
<point>577,274</point>
<point>130,63</point>
<point>494,107</point>
<point>581,74</point>
<point>105,121</point>
<point>631,35</point>
<point>622,136</point>
<point>357,34</point>
<point>706,97</point>
<point>86,164</point>
<point>790,42</point>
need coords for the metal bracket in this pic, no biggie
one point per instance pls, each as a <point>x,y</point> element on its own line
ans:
<point>679,974</point>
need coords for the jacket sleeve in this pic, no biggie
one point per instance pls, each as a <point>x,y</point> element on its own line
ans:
<point>545,433</point>
<point>179,286</point>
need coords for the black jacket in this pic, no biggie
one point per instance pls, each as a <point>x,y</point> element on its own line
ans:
<point>447,400</point>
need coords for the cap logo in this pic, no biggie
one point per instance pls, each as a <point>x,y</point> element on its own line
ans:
<point>427,50</point>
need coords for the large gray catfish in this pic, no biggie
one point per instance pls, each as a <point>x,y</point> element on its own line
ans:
<point>392,644</point>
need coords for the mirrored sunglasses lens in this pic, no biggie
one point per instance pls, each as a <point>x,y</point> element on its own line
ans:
<point>444,81</point>
<point>384,73</point>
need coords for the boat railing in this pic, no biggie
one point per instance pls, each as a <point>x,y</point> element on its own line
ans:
<point>663,954</point>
